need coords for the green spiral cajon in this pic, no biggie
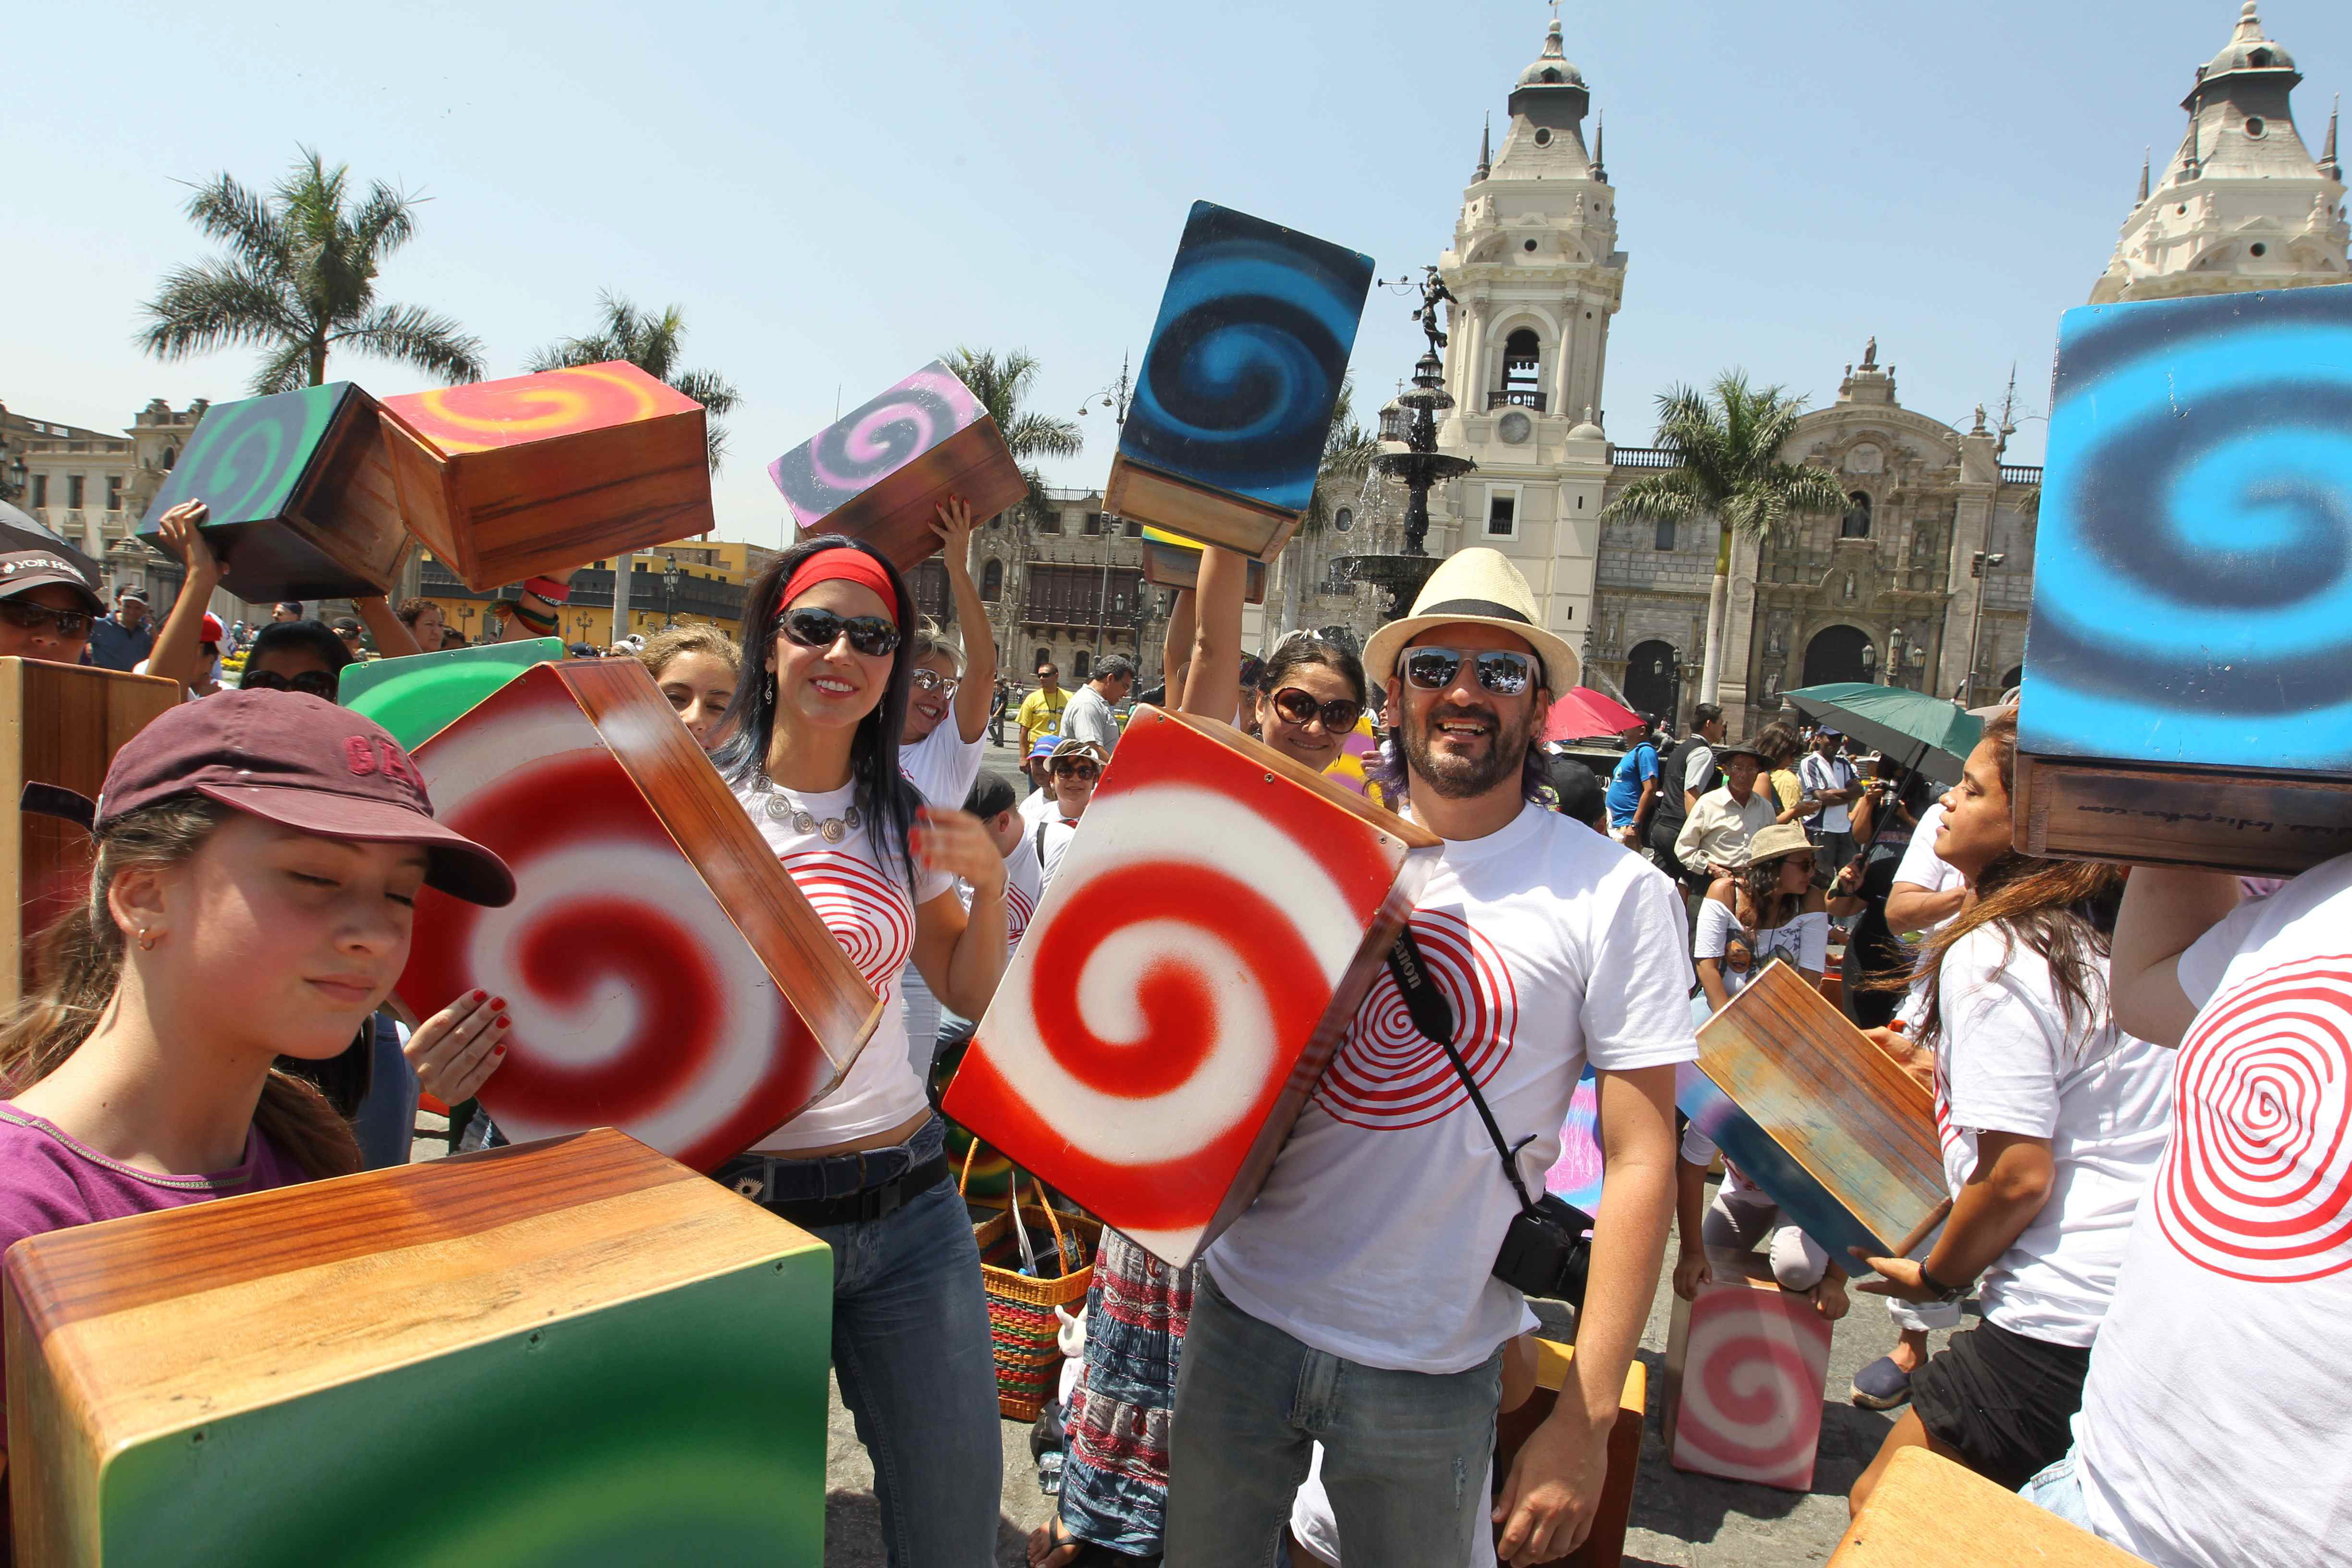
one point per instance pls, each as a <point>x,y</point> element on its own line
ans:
<point>301,493</point>
<point>418,696</point>
<point>574,1351</point>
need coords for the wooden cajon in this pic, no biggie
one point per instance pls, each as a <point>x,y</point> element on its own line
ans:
<point>880,474</point>
<point>1239,383</point>
<point>419,695</point>
<point>1746,1363</point>
<point>1604,1547</point>
<point>1928,1512</point>
<point>537,473</point>
<point>1827,1124</point>
<point>665,973</point>
<point>59,724</point>
<point>2184,670</point>
<point>300,494</point>
<point>567,1352</point>
<point>1187,978</point>
<point>1173,562</point>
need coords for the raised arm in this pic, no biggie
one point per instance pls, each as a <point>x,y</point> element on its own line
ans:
<point>1216,670</point>
<point>2164,912</point>
<point>392,637</point>
<point>1176,653</point>
<point>545,610</point>
<point>978,687</point>
<point>178,651</point>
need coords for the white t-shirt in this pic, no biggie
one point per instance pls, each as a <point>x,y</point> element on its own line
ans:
<point>1803,942</point>
<point>1375,1235</point>
<point>2216,1428</point>
<point>1034,806</point>
<point>1821,774</point>
<point>1051,838</point>
<point>1024,886</point>
<point>943,764</point>
<point>863,899</point>
<point>2008,1061</point>
<point>1921,866</point>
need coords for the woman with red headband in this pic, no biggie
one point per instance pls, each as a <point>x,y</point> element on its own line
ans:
<point>812,753</point>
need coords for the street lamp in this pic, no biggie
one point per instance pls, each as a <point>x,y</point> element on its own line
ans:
<point>1895,657</point>
<point>669,592</point>
<point>1978,567</point>
<point>466,614</point>
<point>1870,662</point>
<point>15,487</point>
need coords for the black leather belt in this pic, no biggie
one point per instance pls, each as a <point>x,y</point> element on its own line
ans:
<point>866,1203</point>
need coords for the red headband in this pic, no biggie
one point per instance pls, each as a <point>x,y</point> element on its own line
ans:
<point>847,566</point>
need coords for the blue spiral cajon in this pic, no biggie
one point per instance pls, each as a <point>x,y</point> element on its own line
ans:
<point>1239,382</point>
<point>2186,696</point>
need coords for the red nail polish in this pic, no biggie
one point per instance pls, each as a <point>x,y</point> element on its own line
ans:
<point>497,1050</point>
<point>481,995</point>
<point>504,1023</point>
<point>498,1001</point>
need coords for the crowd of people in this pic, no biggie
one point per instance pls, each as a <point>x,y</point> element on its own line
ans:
<point>2155,1229</point>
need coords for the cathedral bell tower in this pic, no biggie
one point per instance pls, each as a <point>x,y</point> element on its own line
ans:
<point>1536,275</point>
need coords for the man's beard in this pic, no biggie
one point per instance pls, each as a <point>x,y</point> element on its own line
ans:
<point>1459,777</point>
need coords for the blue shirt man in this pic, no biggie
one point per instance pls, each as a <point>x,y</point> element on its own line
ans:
<point>119,641</point>
<point>1634,769</point>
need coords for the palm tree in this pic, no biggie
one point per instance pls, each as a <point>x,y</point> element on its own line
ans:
<point>999,382</point>
<point>298,279</point>
<point>1730,439</point>
<point>652,344</point>
<point>1348,451</point>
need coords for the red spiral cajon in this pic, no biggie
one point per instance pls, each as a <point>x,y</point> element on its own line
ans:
<point>1927,1513</point>
<point>1186,979</point>
<point>59,724</point>
<point>535,473</point>
<point>1745,1365</point>
<point>665,975</point>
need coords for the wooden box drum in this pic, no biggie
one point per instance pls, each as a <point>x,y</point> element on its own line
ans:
<point>568,1353</point>
<point>1604,1546</point>
<point>2185,698</point>
<point>1928,1512</point>
<point>1746,1363</point>
<point>303,500</point>
<point>1171,561</point>
<point>880,474</point>
<point>1185,980</point>
<point>667,976</point>
<point>418,697</point>
<point>536,473</point>
<point>1239,382</point>
<point>59,724</point>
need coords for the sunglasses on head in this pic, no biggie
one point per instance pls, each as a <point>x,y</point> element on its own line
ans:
<point>932,680</point>
<point>1076,768</point>
<point>310,682</point>
<point>1338,715</point>
<point>69,623</point>
<point>812,627</point>
<point>1504,673</point>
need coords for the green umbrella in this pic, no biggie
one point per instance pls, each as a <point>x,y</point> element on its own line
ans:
<point>1923,734</point>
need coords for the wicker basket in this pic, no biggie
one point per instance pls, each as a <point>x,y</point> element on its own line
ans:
<point>1022,1330</point>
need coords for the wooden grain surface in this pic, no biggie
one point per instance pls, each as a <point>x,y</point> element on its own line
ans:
<point>1209,516</point>
<point>1604,1547</point>
<point>894,514</point>
<point>1259,754</point>
<point>59,724</point>
<point>352,505</point>
<point>1928,1512</point>
<point>2254,824</point>
<point>1837,1104</point>
<point>1169,565</point>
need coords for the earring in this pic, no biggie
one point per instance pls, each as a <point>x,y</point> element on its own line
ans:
<point>768,693</point>
<point>146,940</point>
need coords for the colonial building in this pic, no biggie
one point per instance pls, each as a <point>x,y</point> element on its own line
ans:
<point>1067,587</point>
<point>92,488</point>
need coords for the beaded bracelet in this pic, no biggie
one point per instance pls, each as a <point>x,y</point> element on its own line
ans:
<point>548,589</point>
<point>543,625</point>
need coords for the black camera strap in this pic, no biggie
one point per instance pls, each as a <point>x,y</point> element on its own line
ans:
<point>1433,1014</point>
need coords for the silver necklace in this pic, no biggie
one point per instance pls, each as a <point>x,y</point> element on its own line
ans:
<point>781,807</point>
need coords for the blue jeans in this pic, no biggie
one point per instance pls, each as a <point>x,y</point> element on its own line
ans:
<point>911,1350</point>
<point>1404,1453</point>
<point>2058,1489</point>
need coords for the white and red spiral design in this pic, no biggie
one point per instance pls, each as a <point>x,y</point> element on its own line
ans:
<point>1753,1370</point>
<point>1389,1075</point>
<point>1164,994</point>
<point>1019,910</point>
<point>2257,1182</point>
<point>637,1003</point>
<point>868,914</point>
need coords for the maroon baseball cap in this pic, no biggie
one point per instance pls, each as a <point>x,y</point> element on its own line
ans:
<point>21,570</point>
<point>303,763</point>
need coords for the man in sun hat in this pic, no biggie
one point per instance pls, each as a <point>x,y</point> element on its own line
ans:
<point>1355,1302</point>
<point>1716,835</point>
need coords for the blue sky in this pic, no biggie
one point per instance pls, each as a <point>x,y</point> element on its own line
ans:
<point>835,194</point>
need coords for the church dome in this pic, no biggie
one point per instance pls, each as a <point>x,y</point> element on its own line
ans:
<point>1552,68</point>
<point>2248,49</point>
<point>1586,430</point>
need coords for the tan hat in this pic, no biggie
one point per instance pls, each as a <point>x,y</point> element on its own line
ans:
<point>1780,838</point>
<point>1479,586</point>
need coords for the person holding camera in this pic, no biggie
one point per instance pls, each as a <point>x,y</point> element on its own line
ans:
<point>1364,1300</point>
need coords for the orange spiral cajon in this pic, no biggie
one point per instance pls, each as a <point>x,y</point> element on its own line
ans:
<point>665,975</point>
<point>1185,980</point>
<point>1745,1365</point>
<point>536,473</point>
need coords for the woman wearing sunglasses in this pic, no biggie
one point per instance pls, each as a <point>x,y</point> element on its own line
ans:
<point>48,604</point>
<point>296,656</point>
<point>1310,694</point>
<point>812,753</point>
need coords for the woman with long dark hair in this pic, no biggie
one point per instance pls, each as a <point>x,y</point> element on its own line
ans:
<point>812,754</point>
<point>1309,695</point>
<point>2052,1118</point>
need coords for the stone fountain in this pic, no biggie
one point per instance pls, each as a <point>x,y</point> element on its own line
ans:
<point>1419,466</point>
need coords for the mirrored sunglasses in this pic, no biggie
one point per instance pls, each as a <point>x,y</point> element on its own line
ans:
<point>1500,671</point>
<point>932,680</point>
<point>69,623</point>
<point>1338,715</point>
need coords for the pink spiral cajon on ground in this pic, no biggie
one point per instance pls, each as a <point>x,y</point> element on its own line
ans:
<point>667,976</point>
<point>1747,1363</point>
<point>1183,983</point>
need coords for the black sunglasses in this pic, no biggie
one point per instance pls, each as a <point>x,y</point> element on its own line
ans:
<point>1338,715</point>
<point>1069,767</point>
<point>310,682</point>
<point>1501,672</point>
<point>812,627</point>
<point>69,623</point>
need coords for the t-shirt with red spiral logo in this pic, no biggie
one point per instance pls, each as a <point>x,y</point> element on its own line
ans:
<point>862,898</point>
<point>2216,1425</point>
<point>1375,1236</point>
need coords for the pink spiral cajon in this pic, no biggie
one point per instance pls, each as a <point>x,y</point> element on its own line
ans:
<point>1747,1363</point>
<point>667,974</point>
<point>1185,981</point>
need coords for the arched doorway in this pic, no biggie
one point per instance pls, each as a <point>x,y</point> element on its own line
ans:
<point>2012,676</point>
<point>1650,679</point>
<point>1840,653</point>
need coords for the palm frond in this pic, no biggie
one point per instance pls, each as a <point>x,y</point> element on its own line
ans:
<point>1675,496</point>
<point>217,305</point>
<point>286,369</point>
<point>713,391</point>
<point>413,335</point>
<point>239,218</point>
<point>1042,435</point>
<point>383,224</point>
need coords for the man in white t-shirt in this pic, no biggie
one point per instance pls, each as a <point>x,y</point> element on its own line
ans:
<point>2216,1426</point>
<point>1828,777</point>
<point>1355,1304</point>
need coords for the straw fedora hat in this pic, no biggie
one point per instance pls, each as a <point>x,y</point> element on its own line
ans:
<point>1479,586</point>
<point>1780,838</point>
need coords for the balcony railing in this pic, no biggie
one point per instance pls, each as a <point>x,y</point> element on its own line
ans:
<point>2021,474</point>
<point>1645,456</point>
<point>1513,397</point>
